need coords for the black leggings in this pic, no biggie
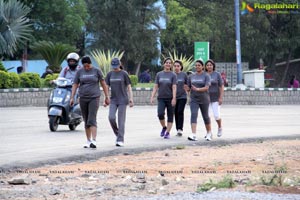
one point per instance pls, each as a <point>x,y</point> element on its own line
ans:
<point>179,113</point>
<point>162,104</point>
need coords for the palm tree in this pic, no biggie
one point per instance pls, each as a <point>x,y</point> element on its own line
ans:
<point>54,54</point>
<point>103,58</point>
<point>15,28</point>
<point>186,62</point>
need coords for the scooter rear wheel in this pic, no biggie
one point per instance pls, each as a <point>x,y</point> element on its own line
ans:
<point>53,123</point>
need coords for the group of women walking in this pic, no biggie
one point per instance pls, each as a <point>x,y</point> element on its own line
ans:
<point>205,89</point>
<point>88,79</point>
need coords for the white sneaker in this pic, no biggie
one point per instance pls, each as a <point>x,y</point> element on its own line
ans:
<point>93,144</point>
<point>219,132</point>
<point>179,133</point>
<point>192,137</point>
<point>208,136</point>
<point>120,144</point>
<point>87,145</point>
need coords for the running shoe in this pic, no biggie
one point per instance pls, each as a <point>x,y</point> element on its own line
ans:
<point>192,137</point>
<point>219,132</point>
<point>167,135</point>
<point>163,131</point>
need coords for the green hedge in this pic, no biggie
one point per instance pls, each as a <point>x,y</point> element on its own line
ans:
<point>30,80</point>
<point>9,80</point>
<point>5,81</point>
<point>15,80</point>
<point>134,80</point>
<point>50,77</point>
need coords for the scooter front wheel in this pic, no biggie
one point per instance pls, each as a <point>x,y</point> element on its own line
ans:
<point>72,127</point>
<point>53,123</point>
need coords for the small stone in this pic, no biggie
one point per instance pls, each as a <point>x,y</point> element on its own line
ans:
<point>178,179</point>
<point>98,191</point>
<point>140,176</point>
<point>43,174</point>
<point>141,186</point>
<point>54,191</point>
<point>152,191</point>
<point>108,189</point>
<point>212,189</point>
<point>135,180</point>
<point>164,182</point>
<point>93,178</point>
<point>289,182</point>
<point>85,175</point>
<point>133,189</point>
<point>21,180</point>
<point>161,174</point>
<point>59,178</point>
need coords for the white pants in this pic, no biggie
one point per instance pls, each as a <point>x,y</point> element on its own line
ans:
<point>215,108</point>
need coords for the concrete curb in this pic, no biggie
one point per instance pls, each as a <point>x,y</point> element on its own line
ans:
<point>130,151</point>
<point>12,90</point>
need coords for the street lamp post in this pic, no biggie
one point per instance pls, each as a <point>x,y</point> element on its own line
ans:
<point>238,43</point>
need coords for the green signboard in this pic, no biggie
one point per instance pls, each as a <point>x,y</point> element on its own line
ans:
<point>201,51</point>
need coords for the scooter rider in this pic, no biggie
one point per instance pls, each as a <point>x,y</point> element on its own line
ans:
<point>69,71</point>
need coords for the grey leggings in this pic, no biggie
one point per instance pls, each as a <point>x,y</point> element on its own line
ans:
<point>119,131</point>
<point>89,108</point>
<point>204,111</point>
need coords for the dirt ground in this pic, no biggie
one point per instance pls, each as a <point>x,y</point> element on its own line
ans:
<point>264,166</point>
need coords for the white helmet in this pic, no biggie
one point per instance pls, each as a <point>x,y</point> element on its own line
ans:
<point>73,56</point>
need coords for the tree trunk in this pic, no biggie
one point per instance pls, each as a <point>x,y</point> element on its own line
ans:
<point>272,69</point>
<point>138,68</point>
<point>283,78</point>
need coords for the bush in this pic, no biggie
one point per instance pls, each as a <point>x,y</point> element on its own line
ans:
<point>15,80</point>
<point>5,81</point>
<point>48,78</point>
<point>134,80</point>
<point>226,182</point>
<point>30,80</point>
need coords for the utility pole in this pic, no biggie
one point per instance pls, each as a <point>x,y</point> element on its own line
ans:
<point>238,42</point>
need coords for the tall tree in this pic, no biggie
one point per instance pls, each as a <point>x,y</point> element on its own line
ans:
<point>274,37</point>
<point>60,21</point>
<point>125,25</point>
<point>189,21</point>
<point>15,28</point>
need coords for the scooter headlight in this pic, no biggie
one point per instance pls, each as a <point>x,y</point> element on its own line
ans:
<point>57,99</point>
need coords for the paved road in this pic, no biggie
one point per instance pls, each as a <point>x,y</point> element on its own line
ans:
<point>26,140</point>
